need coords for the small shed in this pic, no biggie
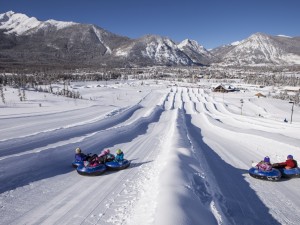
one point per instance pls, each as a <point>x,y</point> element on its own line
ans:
<point>224,88</point>
<point>220,88</point>
<point>259,95</point>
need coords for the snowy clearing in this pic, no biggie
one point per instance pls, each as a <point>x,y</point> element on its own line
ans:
<point>190,151</point>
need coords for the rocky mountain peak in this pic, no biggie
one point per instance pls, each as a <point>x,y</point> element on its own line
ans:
<point>21,24</point>
<point>17,23</point>
<point>26,39</point>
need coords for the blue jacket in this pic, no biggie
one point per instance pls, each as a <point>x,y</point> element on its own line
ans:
<point>119,157</point>
<point>81,157</point>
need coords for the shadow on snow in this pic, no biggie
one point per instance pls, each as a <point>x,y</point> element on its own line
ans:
<point>226,185</point>
<point>21,170</point>
<point>18,145</point>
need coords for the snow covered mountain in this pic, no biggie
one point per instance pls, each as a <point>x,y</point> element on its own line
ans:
<point>20,24</point>
<point>261,49</point>
<point>155,50</point>
<point>25,39</point>
<point>196,52</point>
<point>220,51</point>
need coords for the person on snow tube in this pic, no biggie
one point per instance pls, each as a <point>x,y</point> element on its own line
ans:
<point>290,163</point>
<point>105,156</point>
<point>119,156</point>
<point>86,158</point>
<point>95,161</point>
<point>79,156</point>
<point>264,165</point>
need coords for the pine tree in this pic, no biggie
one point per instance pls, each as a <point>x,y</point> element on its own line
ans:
<point>24,96</point>
<point>2,94</point>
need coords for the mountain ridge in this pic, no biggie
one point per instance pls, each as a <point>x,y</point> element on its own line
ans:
<point>26,40</point>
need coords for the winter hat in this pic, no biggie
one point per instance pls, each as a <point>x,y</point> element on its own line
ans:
<point>290,157</point>
<point>78,150</point>
<point>119,151</point>
<point>267,159</point>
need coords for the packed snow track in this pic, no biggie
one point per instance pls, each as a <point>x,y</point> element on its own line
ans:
<point>190,153</point>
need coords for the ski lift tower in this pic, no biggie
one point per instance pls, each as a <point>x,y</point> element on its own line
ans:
<point>292,102</point>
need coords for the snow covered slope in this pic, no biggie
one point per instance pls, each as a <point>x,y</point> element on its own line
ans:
<point>195,51</point>
<point>72,43</point>
<point>156,49</point>
<point>20,24</point>
<point>190,151</point>
<point>261,49</point>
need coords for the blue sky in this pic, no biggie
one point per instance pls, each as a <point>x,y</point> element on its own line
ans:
<point>210,22</point>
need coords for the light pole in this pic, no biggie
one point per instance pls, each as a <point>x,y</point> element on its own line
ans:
<point>223,97</point>
<point>292,110</point>
<point>242,101</point>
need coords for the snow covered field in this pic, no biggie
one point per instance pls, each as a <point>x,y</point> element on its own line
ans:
<point>190,151</point>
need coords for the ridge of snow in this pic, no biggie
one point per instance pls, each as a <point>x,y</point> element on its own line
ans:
<point>191,43</point>
<point>20,24</point>
<point>256,43</point>
<point>99,36</point>
<point>282,35</point>
<point>159,49</point>
<point>185,42</point>
<point>17,23</point>
<point>60,24</point>
<point>235,43</point>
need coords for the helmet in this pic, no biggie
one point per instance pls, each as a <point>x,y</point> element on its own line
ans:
<point>78,150</point>
<point>119,151</point>
<point>267,159</point>
<point>290,157</point>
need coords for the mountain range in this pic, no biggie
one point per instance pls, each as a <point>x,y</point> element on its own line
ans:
<point>26,40</point>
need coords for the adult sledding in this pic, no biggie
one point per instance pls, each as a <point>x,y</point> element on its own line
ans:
<point>274,172</point>
<point>97,164</point>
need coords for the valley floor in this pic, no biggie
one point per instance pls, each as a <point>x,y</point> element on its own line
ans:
<point>190,151</point>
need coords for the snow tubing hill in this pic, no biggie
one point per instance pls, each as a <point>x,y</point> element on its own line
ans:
<point>76,163</point>
<point>91,170</point>
<point>290,173</point>
<point>113,165</point>
<point>272,175</point>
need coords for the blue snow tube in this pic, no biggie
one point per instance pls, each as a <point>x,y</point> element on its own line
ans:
<point>114,165</point>
<point>290,173</point>
<point>77,163</point>
<point>272,175</point>
<point>91,170</point>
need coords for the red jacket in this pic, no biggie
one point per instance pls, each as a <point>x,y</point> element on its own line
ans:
<point>289,163</point>
<point>94,162</point>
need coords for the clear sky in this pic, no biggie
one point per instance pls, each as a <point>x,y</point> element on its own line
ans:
<point>210,22</point>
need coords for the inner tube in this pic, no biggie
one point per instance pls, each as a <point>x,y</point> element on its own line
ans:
<point>91,171</point>
<point>114,165</point>
<point>76,163</point>
<point>272,175</point>
<point>290,173</point>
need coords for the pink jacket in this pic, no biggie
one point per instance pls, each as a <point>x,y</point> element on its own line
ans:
<point>264,166</point>
<point>103,153</point>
